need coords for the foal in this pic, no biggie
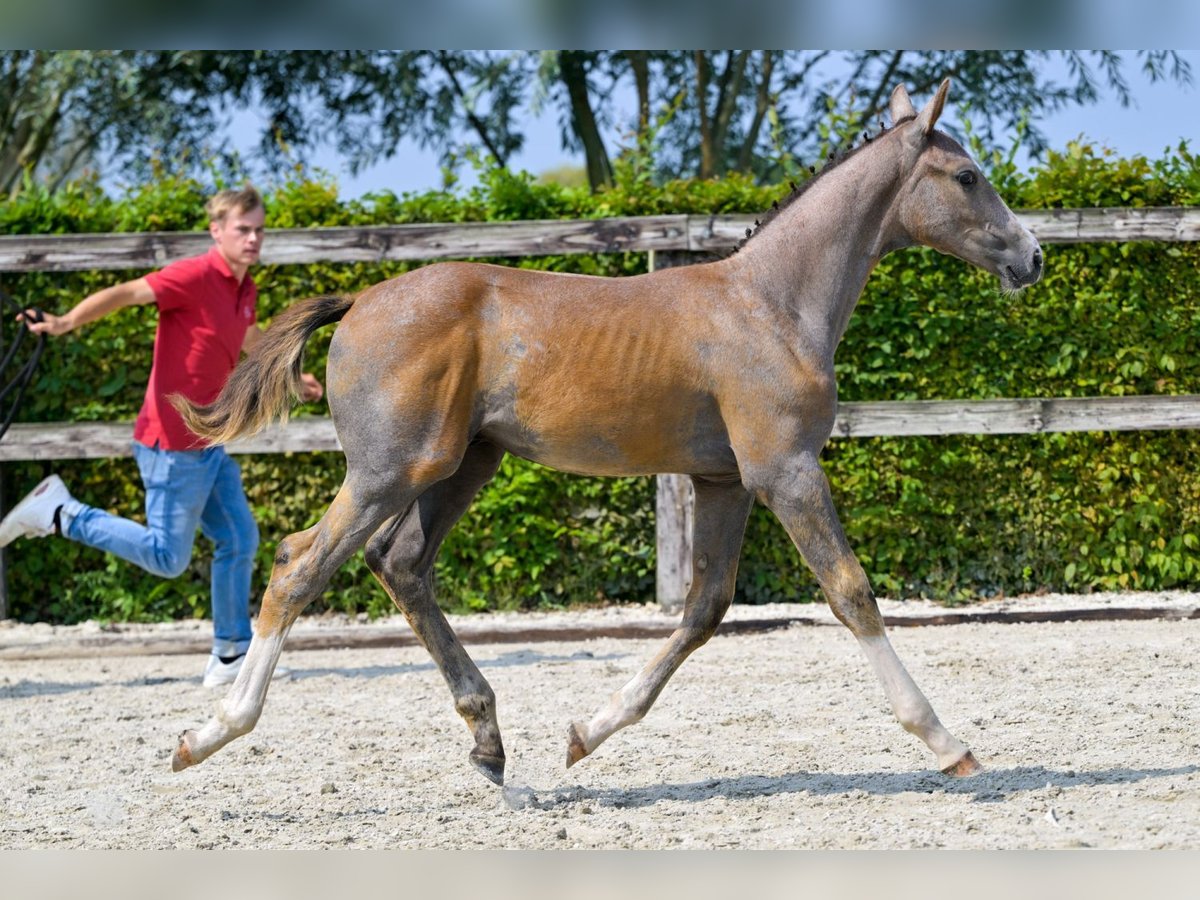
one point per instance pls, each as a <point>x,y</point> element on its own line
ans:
<point>723,371</point>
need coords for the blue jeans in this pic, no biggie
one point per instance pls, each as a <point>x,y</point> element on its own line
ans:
<point>185,489</point>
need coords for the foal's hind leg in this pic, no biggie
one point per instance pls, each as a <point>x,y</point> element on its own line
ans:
<point>401,555</point>
<point>801,500</point>
<point>304,563</point>
<point>719,527</point>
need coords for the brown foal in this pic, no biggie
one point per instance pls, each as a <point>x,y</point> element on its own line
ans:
<point>723,371</point>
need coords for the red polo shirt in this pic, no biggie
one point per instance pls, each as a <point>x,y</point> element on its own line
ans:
<point>203,314</point>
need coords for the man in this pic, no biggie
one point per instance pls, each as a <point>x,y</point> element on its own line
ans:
<point>206,308</point>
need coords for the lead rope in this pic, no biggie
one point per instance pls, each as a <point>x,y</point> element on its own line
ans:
<point>19,380</point>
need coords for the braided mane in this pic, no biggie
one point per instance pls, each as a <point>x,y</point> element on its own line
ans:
<point>834,160</point>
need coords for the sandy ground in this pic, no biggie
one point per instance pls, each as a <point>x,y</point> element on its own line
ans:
<point>1090,732</point>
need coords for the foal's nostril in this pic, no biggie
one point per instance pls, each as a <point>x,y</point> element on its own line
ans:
<point>1037,260</point>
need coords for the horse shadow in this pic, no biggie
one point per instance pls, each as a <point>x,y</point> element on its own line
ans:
<point>503,661</point>
<point>990,786</point>
<point>28,688</point>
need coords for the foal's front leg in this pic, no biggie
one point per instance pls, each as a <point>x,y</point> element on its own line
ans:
<point>800,498</point>
<point>719,527</point>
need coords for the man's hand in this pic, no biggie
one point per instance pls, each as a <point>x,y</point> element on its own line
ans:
<point>310,388</point>
<point>50,324</point>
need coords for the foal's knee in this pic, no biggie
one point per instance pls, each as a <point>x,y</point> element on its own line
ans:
<point>288,590</point>
<point>290,551</point>
<point>853,603</point>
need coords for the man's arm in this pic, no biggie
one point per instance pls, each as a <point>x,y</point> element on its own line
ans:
<point>129,293</point>
<point>253,335</point>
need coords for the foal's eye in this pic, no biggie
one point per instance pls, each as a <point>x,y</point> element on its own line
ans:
<point>966,179</point>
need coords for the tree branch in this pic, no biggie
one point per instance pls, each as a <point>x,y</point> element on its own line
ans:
<point>731,86</point>
<point>706,149</point>
<point>762,103</point>
<point>85,144</point>
<point>476,123</point>
<point>873,107</point>
<point>639,65</point>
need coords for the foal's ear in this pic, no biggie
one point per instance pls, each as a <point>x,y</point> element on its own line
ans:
<point>899,105</point>
<point>933,109</point>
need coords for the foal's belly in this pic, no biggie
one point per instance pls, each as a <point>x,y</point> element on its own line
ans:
<point>613,438</point>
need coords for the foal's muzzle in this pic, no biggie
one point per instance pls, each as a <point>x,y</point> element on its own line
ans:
<point>1018,277</point>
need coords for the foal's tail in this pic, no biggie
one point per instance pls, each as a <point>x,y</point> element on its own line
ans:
<point>266,383</point>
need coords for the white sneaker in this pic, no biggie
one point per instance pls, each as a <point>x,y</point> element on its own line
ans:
<point>217,673</point>
<point>34,516</point>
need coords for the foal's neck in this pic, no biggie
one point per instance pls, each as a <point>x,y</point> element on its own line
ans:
<point>813,260</point>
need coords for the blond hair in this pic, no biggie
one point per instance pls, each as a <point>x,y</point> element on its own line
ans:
<point>244,200</point>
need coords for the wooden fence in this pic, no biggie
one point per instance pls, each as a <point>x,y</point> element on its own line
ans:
<point>670,240</point>
<point>690,233</point>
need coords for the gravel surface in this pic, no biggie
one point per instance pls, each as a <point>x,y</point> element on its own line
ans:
<point>1089,731</point>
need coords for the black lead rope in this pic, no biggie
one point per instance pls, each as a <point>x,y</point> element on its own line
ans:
<point>16,382</point>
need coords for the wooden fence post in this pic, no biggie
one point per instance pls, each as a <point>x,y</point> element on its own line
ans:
<point>673,540</point>
<point>674,499</point>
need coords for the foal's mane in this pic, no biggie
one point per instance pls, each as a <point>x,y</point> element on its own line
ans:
<point>834,160</point>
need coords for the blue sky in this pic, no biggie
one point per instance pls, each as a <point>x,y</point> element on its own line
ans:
<point>1163,113</point>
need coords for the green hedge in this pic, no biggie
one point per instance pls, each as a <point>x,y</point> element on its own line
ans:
<point>951,517</point>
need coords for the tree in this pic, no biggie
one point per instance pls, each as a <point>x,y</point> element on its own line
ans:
<point>752,110</point>
<point>367,102</point>
<point>57,108</point>
<point>60,110</point>
<point>697,113</point>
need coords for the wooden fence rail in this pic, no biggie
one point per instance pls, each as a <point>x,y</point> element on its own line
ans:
<point>379,243</point>
<point>670,240</point>
<point>101,440</point>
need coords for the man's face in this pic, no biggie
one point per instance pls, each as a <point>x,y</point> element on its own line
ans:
<point>239,238</point>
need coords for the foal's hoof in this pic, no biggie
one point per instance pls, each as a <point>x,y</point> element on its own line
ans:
<point>575,748</point>
<point>966,766</point>
<point>182,758</point>
<point>491,766</point>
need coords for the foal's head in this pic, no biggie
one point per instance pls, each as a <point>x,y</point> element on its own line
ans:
<point>948,205</point>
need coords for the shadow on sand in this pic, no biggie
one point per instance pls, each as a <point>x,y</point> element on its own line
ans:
<point>990,786</point>
<point>26,688</point>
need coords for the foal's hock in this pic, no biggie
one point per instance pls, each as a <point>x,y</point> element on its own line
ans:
<point>723,371</point>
